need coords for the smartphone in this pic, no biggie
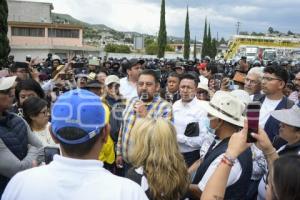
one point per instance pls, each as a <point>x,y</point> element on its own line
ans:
<point>231,85</point>
<point>253,110</point>
<point>217,81</point>
<point>49,153</point>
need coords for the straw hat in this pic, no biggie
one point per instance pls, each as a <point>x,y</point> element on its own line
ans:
<point>227,107</point>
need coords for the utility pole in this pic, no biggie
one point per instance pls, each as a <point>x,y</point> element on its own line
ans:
<point>238,24</point>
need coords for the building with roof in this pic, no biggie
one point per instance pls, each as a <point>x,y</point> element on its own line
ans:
<point>31,31</point>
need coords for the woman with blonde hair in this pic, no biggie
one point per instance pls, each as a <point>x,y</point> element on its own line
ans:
<point>158,164</point>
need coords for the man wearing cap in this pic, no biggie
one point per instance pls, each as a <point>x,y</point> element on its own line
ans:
<point>226,117</point>
<point>179,69</point>
<point>19,148</point>
<point>149,104</point>
<point>93,65</point>
<point>116,105</point>
<point>128,84</point>
<point>290,131</point>
<point>78,125</point>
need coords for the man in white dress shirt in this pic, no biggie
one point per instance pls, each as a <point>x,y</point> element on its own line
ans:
<point>128,84</point>
<point>78,124</point>
<point>189,110</point>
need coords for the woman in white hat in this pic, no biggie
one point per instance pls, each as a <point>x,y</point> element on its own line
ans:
<point>283,179</point>
<point>226,117</point>
<point>289,131</point>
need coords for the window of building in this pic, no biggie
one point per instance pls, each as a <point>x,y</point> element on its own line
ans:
<point>63,33</point>
<point>30,32</point>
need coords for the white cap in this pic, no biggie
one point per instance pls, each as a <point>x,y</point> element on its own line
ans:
<point>112,79</point>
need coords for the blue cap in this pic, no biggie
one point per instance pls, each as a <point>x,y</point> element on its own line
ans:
<point>80,109</point>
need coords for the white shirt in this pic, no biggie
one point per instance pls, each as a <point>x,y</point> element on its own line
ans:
<point>45,136</point>
<point>71,179</point>
<point>234,175</point>
<point>266,108</point>
<point>203,80</point>
<point>185,113</point>
<point>127,89</point>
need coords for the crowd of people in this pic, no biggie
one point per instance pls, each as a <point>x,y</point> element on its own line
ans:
<point>148,129</point>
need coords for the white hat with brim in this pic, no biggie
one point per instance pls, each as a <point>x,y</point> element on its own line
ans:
<point>203,87</point>
<point>288,116</point>
<point>7,82</point>
<point>227,107</point>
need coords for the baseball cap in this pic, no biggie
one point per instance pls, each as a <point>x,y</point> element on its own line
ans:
<point>112,79</point>
<point>7,82</point>
<point>134,61</point>
<point>81,109</point>
<point>202,66</point>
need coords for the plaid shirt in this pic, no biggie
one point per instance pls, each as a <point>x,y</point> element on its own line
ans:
<point>157,108</point>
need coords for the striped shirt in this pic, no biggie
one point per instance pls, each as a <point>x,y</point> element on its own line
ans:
<point>157,108</point>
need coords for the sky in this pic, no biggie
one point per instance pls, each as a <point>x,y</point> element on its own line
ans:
<point>143,15</point>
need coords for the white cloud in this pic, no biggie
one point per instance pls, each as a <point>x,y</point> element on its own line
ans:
<point>143,15</point>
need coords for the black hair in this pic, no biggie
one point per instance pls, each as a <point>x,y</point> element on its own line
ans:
<point>278,71</point>
<point>286,176</point>
<point>174,74</point>
<point>29,84</point>
<point>151,73</point>
<point>190,77</point>
<point>73,133</point>
<point>32,107</point>
<point>17,65</point>
<point>103,70</point>
<point>212,67</point>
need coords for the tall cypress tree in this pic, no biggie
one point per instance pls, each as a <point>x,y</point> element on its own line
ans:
<point>4,42</point>
<point>195,49</point>
<point>214,48</point>
<point>209,43</point>
<point>204,41</point>
<point>186,52</point>
<point>162,35</point>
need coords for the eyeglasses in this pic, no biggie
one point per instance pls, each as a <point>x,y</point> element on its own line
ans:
<point>265,78</point>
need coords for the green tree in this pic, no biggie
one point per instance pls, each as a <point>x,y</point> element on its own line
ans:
<point>214,50</point>
<point>170,48</point>
<point>270,30</point>
<point>195,49</point>
<point>186,50</point>
<point>151,49</point>
<point>204,42</point>
<point>209,43</point>
<point>4,42</point>
<point>162,35</point>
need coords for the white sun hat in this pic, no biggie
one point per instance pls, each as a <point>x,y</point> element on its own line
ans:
<point>288,116</point>
<point>7,82</point>
<point>227,107</point>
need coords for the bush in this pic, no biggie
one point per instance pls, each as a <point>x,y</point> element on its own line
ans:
<point>115,48</point>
